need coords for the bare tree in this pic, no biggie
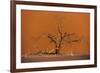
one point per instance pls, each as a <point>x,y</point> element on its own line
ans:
<point>59,40</point>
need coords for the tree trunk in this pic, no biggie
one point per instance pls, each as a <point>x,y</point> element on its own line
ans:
<point>57,50</point>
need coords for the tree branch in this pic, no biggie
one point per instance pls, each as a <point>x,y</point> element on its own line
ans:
<point>53,39</point>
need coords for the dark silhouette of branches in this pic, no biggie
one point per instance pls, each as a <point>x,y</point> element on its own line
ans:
<point>52,39</point>
<point>62,37</point>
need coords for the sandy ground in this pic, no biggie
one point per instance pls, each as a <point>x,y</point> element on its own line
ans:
<point>53,58</point>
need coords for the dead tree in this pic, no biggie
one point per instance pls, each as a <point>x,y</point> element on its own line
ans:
<point>63,37</point>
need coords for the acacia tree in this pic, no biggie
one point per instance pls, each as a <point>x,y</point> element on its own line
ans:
<point>61,38</point>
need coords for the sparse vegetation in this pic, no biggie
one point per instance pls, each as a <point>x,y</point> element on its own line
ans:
<point>59,40</point>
